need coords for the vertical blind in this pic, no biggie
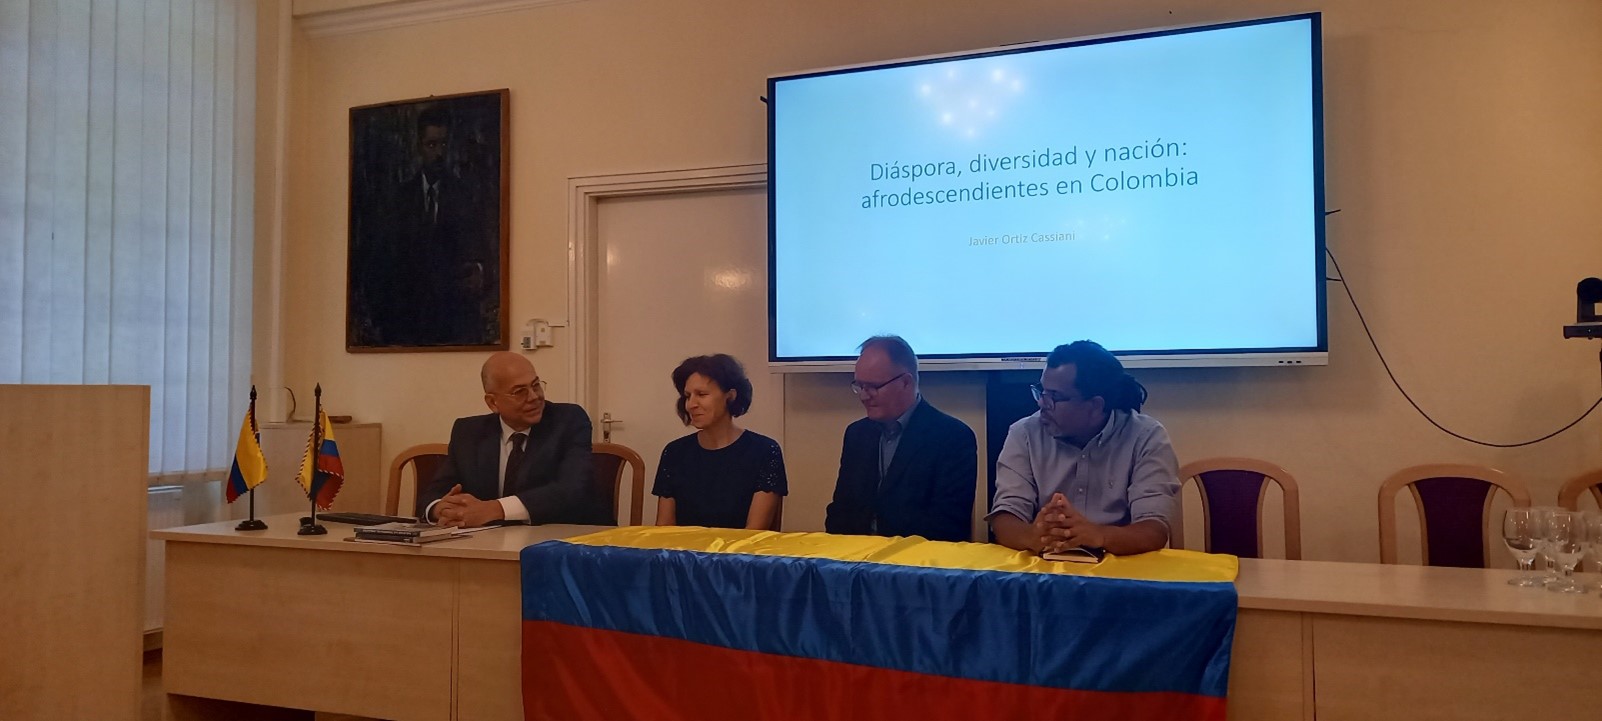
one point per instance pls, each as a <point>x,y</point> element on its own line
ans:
<point>126,166</point>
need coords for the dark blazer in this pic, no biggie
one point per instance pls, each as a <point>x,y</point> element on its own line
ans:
<point>556,481</point>
<point>416,265</point>
<point>928,490</point>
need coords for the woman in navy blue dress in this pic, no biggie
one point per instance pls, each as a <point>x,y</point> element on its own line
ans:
<point>721,475</point>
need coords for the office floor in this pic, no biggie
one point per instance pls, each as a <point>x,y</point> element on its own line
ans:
<point>150,703</point>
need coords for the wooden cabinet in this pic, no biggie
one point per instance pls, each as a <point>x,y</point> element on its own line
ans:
<point>285,444</point>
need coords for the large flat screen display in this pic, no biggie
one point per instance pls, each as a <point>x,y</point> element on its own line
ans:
<point>1159,192</point>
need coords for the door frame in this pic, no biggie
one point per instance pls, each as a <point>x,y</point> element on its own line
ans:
<point>585,194</point>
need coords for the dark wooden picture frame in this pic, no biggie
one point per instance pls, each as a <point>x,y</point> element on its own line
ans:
<point>428,245</point>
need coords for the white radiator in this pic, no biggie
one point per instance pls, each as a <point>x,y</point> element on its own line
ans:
<point>166,510</point>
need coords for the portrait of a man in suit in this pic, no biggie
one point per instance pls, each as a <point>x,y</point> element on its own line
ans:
<point>427,225</point>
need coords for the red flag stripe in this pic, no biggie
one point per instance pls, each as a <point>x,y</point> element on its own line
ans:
<point>574,674</point>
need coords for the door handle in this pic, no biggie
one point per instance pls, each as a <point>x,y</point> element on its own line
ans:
<point>607,421</point>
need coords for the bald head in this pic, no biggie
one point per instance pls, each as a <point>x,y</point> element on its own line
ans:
<point>512,389</point>
<point>500,366</point>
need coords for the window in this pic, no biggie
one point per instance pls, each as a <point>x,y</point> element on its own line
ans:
<point>126,166</point>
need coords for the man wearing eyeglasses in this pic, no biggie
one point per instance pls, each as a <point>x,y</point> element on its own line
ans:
<point>529,460</point>
<point>1089,469</point>
<point>906,469</point>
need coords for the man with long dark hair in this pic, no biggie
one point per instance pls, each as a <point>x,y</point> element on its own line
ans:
<point>1088,469</point>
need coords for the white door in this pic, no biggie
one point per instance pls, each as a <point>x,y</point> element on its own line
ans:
<point>678,275</point>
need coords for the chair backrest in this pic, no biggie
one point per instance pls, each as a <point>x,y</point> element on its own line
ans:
<point>1232,492</point>
<point>1453,501</point>
<point>1569,495</point>
<point>425,461</point>
<point>610,460</point>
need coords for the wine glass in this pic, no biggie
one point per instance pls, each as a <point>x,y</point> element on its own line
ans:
<point>1593,545</point>
<point>1541,520</point>
<point>1523,539</point>
<point>1566,542</point>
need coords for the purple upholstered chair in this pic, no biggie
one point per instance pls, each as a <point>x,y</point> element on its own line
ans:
<point>1453,501</point>
<point>1232,491</point>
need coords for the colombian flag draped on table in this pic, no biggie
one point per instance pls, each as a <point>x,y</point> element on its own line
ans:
<point>322,482</point>
<point>250,464</point>
<point>694,623</point>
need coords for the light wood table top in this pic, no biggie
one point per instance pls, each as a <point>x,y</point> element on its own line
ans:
<point>495,544</point>
<point>1357,589</point>
<point>1429,593</point>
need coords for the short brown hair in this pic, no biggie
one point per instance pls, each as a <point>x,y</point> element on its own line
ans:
<point>897,349</point>
<point>720,368</point>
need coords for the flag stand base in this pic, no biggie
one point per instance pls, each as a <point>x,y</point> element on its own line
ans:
<point>311,529</point>
<point>251,524</point>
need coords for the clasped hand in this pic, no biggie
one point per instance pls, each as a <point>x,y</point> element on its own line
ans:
<point>462,510</point>
<point>1059,525</point>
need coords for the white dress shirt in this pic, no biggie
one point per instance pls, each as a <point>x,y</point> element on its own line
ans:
<point>511,506</point>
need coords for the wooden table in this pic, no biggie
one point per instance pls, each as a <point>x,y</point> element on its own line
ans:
<point>261,623</point>
<point>1409,642</point>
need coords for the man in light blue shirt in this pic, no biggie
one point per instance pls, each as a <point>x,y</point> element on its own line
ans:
<point>1088,469</point>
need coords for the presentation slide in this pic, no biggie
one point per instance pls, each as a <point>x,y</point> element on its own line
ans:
<point>1152,194</point>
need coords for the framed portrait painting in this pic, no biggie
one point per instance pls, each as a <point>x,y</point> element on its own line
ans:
<point>428,237</point>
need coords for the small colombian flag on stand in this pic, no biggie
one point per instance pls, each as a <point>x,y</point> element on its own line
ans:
<point>250,464</point>
<point>321,482</point>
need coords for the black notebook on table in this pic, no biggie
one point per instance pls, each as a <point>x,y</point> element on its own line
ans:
<point>1077,554</point>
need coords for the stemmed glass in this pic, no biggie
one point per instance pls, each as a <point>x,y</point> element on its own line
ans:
<point>1522,535</point>
<point>1566,542</point>
<point>1541,521</point>
<point>1593,544</point>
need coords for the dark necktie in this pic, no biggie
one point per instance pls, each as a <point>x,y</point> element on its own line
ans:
<point>514,462</point>
<point>889,432</point>
<point>431,204</point>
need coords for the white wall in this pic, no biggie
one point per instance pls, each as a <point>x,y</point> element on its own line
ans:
<point>1462,147</point>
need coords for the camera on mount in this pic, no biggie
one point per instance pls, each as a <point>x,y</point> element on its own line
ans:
<point>1587,323</point>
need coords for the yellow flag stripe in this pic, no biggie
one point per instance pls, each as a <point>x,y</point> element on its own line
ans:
<point>1164,565</point>
<point>248,455</point>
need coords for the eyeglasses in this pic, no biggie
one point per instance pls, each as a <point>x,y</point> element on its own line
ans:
<point>523,393</point>
<point>1048,399</point>
<point>868,389</point>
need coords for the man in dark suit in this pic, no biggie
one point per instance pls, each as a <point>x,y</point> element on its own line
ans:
<point>527,461</point>
<point>907,469</point>
<point>426,258</point>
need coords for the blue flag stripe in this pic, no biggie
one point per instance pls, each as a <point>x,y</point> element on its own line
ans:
<point>1092,634</point>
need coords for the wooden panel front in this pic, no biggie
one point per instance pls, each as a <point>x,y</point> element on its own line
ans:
<point>190,708</point>
<point>355,633</point>
<point>489,677</point>
<point>1270,670</point>
<point>1371,669</point>
<point>72,550</point>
